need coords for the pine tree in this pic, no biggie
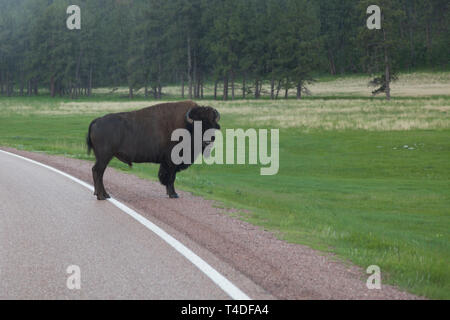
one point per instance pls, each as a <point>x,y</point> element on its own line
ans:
<point>382,46</point>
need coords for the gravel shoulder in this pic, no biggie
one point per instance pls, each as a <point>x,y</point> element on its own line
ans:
<point>260,264</point>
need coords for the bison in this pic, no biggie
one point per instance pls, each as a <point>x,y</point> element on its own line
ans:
<point>145,136</point>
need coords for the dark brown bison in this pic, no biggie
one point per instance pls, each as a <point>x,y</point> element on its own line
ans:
<point>145,136</point>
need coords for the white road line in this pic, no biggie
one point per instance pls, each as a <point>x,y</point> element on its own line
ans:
<point>229,288</point>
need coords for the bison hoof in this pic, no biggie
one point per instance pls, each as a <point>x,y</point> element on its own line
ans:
<point>103,196</point>
<point>173,196</point>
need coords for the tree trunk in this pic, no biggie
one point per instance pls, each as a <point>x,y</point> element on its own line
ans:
<point>35,84</point>
<point>90,81</point>
<point>2,90</point>
<point>225,88</point>
<point>215,89</point>
<point>232,85</point>
<point>199,81</point>
<point>272,88</point>
<point>7,84</point>
<point>52,86</point>
<point>158,86</point>
<point>201,89</point>
<point>331,62</point>
<point>195,76</point>
<point>299,90</point>
<point>189,66</point>
<point>159,80</point>
<point>77,74</point>
<point>409,15</point>
<point>256,89</point>
<point>428,40</point>
<point>71,90</point>
<point>22,86</point>
<point>286,90</point>
<point>278,89</point>
<point>130,92</point>
<point>387,69</point>
<point>243,85</point>
<point>182,85</point>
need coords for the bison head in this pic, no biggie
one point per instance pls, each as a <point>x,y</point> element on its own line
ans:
<point>208,116</point>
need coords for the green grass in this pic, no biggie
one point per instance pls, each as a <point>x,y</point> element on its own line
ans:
<point>358,193</point>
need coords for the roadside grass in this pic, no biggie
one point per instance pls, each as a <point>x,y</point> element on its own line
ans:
<point>372,191</point>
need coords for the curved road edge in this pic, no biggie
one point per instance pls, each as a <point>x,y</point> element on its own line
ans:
<point>226,285</point>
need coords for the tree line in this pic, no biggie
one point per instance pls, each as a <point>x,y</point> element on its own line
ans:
<point>238,45</point>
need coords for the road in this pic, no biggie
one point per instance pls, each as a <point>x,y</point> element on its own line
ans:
<point>49,223</point>
<point>147,246</point>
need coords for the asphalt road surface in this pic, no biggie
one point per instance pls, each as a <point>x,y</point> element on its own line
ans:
<point>49,223</point>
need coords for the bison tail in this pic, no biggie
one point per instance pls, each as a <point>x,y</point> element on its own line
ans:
<point>88,139</point>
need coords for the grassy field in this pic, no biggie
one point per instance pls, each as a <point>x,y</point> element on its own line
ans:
<point>364,178</point>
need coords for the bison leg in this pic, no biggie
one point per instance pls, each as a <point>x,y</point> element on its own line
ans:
<point>167,177</point>
<point>171,188</point>
<point>97,173</point>
<point>95,178</point>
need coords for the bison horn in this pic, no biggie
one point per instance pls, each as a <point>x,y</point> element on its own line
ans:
<point>217,115</point>
<point>188,118</point>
